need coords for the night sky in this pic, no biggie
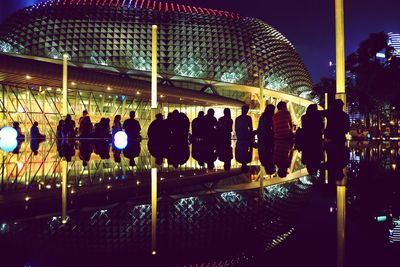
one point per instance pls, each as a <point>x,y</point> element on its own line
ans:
<point>308,24</point>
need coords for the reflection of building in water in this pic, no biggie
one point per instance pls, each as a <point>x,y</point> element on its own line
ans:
<point>206,58</point>
<point>223,226</point>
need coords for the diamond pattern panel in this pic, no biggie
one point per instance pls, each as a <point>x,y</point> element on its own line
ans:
<point>193,42</point>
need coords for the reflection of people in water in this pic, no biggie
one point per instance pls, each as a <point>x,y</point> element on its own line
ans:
<point>66,148</point>
<point>132,150</point>
<point>18,147</point>
<point>34,144</point>
<point>157,150</point>
<point>85,151</point>
<point>337,159</point>
<point>102,148</point>
<point>311,156</point>
<point>204,153</point>
<point>224,152</point>
<point>244,153</point>
<point>282,156</point>
<point>265,153</point>
<point>178,153</point>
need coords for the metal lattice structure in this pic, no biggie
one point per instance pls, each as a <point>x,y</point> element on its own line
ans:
<point>194,43</point>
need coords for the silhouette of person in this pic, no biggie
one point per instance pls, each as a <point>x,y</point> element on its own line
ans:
<point>85,151</point>
<point>68,129</point>
<point>132,150</point>
<point>282,122</point>
<point>102,129</point>
<point>132,126</point>
<point>198,152</point>
<point>20,135</point>
<point>338,156</point>
<point>244,125</point>
<point>210,125</point>
<point>116,127</point>
<point>265,153</point>
<point>34,144</point>
<point>85,125</point>
<point>244,154</point>
<point>102,148</point>
<point>311,156</point>
<point>282,156</point>
<point>35,133</point>
<point>265,130</point>
<point>197,129</point>
<point>312,125</point>
<point>338,122</point>
<point>225,154</point>
<point>67,149</point>
<point>156,129</point>
<point>178,154</point>
<point>59,129</point>
<point>225,126</point>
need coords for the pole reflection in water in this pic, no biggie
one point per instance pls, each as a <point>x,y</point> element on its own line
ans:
<point>153,210</point>
<point>64,165</point>
<point>341,218</point>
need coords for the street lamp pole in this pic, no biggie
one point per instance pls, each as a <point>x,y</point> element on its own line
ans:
<point>340,55</point>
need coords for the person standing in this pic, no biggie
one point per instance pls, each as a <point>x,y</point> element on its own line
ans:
<point>35,133</point>
<point>338,123</point>
<point>312,125</point>
<point>282,122</point>
<point>116,127</point>
<point>265,130</point>
<point>132,126</point>
<point>197,131</point>
<point>210,125</point>
<point>225,126</point>
<point>244,125</point>
<point>85,125</point>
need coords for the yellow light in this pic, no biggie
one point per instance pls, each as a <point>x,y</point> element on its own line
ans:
<point>100,95</point>
<point>28,77</point>
<point>27,198</point>
<point>72,83</point>
<point>109,88</point>
<point>162,96</point>
<point>49,88</point>
<point>153,252</point>
<point>153,209</point>
<point>108,186</point>
<point>394,166</point>
<point>154,66</point>
<point>138,92</point>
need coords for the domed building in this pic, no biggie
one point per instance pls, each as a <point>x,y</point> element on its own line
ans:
<point>206,57</point>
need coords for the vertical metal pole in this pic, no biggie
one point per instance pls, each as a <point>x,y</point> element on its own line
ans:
<point>261,96</point>
<point>64,165</point>
<point>153,165</point>
<point>340,62</point>
<point>64,85</point>
<point>154,67</point>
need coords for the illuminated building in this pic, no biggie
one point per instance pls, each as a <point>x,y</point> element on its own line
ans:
<point>206,57</point>
<point>394,41</point>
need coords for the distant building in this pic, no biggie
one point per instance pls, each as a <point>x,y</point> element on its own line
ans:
<point>394,41</point>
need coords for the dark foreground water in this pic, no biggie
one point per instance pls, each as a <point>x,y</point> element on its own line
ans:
<point>87,204</point>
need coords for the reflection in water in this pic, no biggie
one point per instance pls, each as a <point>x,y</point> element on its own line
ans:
<point>206,203</point>
<point>282,156</point>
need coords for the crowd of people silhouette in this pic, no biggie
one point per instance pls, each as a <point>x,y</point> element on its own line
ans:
<point>210,137</point>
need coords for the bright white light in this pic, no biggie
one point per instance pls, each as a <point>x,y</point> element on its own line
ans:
<point>8,139</point>
<point>120,140</point>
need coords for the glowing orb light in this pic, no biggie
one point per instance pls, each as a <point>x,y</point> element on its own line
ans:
<point>8,139</point>
<point>120,140</point>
